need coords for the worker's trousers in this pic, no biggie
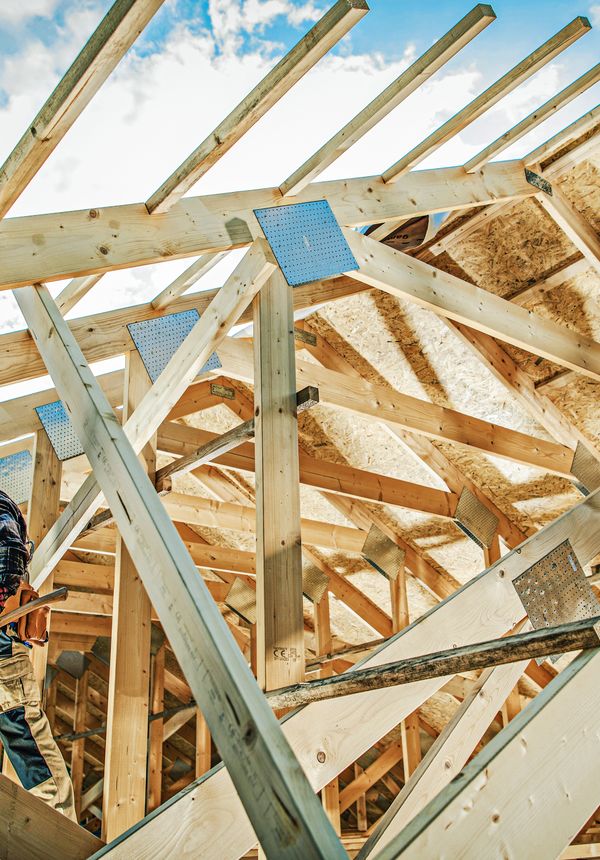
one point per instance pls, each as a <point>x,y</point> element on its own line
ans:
<point>26,735</point>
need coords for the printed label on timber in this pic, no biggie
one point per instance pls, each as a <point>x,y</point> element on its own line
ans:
<point>288,655</point>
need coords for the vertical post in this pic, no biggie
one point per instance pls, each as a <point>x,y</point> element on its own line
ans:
<point>330,795</point>
<point>202,745</point>
<point>280,633</point>
<point>124,801</point>
<point>156,733</point>
<point>78,746</point>
<point>410,728</point>
<point>492,553</point>
<point>42,511</point>
<point>362,822</point>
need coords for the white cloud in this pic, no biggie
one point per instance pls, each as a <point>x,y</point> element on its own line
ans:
<point>595,15</point>
<point>231,19</point>
<point>15,12</point>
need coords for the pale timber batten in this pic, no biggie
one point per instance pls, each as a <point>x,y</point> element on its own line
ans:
<point>120,237</point>
<point>502,87</point>
<point>115,34</point>
<point>333,26</point>
<point>410,80</point>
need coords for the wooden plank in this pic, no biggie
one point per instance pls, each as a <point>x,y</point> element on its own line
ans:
<point>195,350</point>
<point>75,290</point>
<point>448,754</point>
<point>115,34</point>
<point>156,731</point>
<point>203,745</point>
<point>483,102</point>
<point>124,797</point>
<point>30,828</point>
<point>388,758</point>
<point>535,118</point>
<point>394,94</point>
<point>465,303</point>
<point>260,761</point>
<point>42,511</point>
<point>279,601</point>
<point>125,236</point>
<point>427,453</point>
<point>186,279</point>
<point>497,788</point>
<point>333,477</point>
<point>563,138</point>
<point>332,27</point>
<point>78,746</point>
<point>573,224</point>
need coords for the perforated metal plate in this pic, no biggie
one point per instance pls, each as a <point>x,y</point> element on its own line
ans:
<point>314,582</point>
<point>241,599</point>
<point>555,590</point>
<point>538,181</point>
<point>307,241</point>
<point>59,429</point>
<point>475,520</point>
<point>586,468</point>
<point>158,339</point>
<point>382,553</point>
<point>15,475</point>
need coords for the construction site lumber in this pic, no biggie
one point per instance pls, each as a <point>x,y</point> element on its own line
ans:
<point>483,102</point>
<point>30,828</point>
<point>249,738</point>
<point>119,237</point>
<point>500,807</point>
<point>332,27</point>
<point>344,727</point>
<point>115,34</point>
<point>454,661</point>
<point>189,358</point>
<point>394,94</point>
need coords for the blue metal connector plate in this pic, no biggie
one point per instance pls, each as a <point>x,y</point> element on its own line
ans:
<point>16,471</point>
<point>158,339</point>
<point>307,241</point>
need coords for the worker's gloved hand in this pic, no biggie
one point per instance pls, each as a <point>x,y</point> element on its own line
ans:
<point>32,627</point>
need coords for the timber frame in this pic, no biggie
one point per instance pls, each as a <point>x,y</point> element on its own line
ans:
<point>207,544</point>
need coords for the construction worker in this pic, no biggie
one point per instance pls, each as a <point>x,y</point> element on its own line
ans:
<point>24,728</point>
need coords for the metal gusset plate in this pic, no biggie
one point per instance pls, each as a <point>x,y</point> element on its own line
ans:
<point>555,590</point>
<point>382,553</point>
<point>241,599</point>
<point>538,181</point>
<point>158,339</point>
<point>307,241</point>
<point>16,472</point>
<point>314,582</point>
<point>59,429</point>
<point>586,469</point>
<point>475,520</point>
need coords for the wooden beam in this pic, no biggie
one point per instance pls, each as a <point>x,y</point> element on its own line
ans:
<point>42,511</point>
<point>564,138</point>
<point>124,797</point>
<point>265,771</point>
<point>186,279</point>
<point>279,601</point>
<point>188,359</point>
<point>388,758</point>
<point>120,237</point>
<point>483,102</point>
<point>332,27</point>
<point>75,290</point>
<point>448,754</point>
<point>333,477</point>
<point>497,786</point>
<point>114,35</point>
<point>203,745</point>
<point>343,729</point>
<point>535,118</point>
<point>78,746</point>
<point>156,731</point>
<point>30,828</point>
<point>573,224</point>
<point>455,299</point>
<point>394,94</point>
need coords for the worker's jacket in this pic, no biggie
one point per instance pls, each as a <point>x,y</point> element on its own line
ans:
<point>14,556</point>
